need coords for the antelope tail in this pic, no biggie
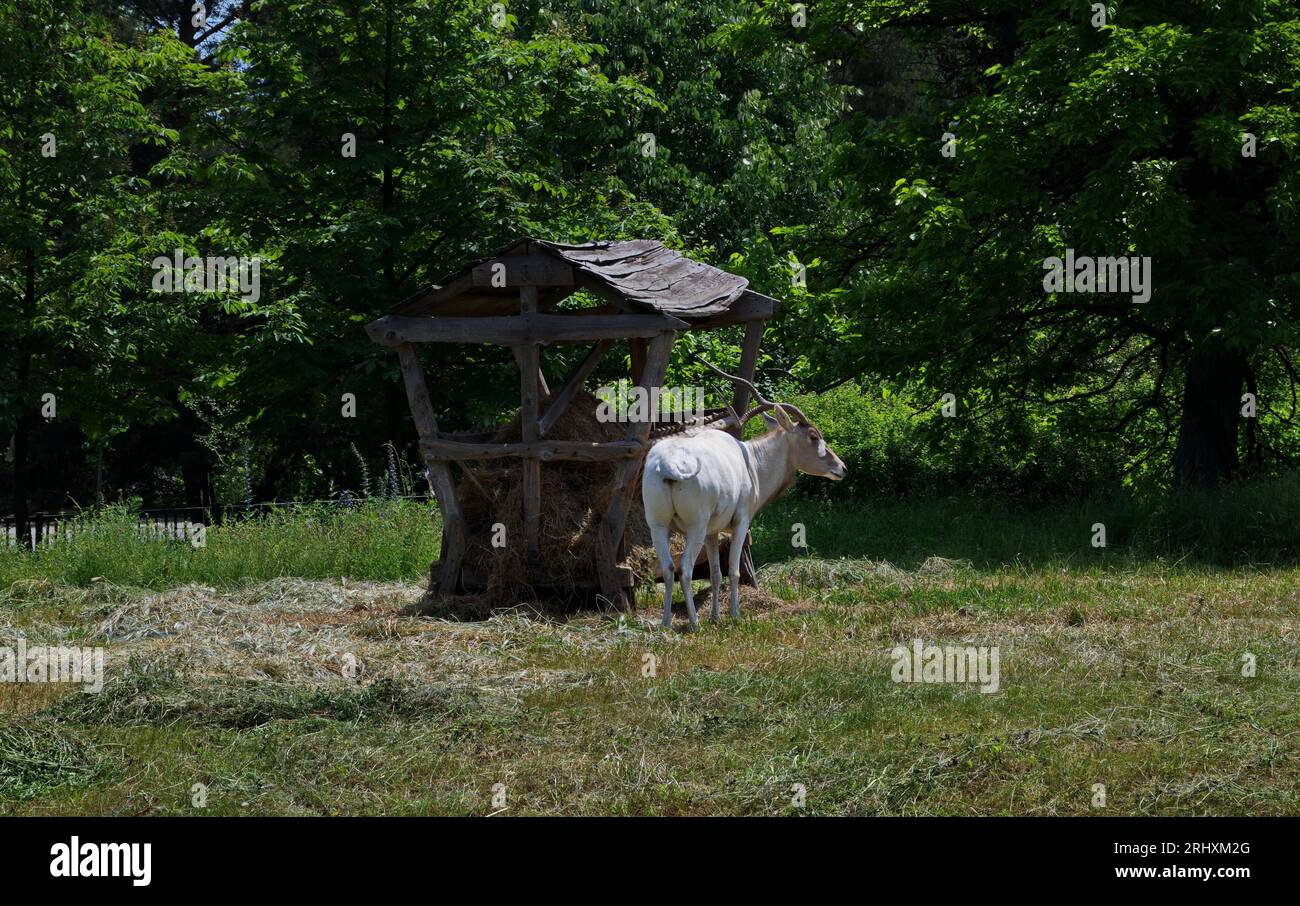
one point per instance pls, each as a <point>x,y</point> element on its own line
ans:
<point>677,465</point>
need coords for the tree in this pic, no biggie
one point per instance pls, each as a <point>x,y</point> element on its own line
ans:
<point>736,142</point>
<point>371,147</point>
<point>69,110</point>
<point>1168,131</point>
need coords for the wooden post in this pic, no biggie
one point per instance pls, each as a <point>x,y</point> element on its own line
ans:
<point>637,345</point>
<point>453,520</point>
<point>624,482</point>
<point>541,378</point>
<point>748,361</point>
<point>529,392</point>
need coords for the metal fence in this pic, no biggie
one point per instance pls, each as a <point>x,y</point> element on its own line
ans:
<point>45,529</point>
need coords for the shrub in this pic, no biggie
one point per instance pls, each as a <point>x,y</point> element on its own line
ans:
<point>897,446</point>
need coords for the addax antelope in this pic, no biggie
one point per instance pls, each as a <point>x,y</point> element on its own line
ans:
<point>707,481</point>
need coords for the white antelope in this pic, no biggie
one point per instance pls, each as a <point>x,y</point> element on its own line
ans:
<point>707,481</point>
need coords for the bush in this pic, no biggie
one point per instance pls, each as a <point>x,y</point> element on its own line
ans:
<point>877,436</point>
<point>895,447</point>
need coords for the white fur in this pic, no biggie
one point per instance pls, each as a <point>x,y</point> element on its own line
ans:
<point>707,482</point>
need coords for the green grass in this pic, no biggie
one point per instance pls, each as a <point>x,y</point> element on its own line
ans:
<point>36,758</point>
<point>1119,666</point>
<point>379,539</point>
<point>1255,524</point>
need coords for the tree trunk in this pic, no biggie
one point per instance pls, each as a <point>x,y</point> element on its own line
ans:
<point>22,388</point>
<point>20,477</point>
<point>388,191</point>
<point>23,333</point>
<point>185,29</point>
<point>1207,436</point>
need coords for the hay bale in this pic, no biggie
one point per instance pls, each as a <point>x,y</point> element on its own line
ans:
<point>574,498</point>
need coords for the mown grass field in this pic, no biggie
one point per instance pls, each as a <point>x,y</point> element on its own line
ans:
<point>1118,667</point>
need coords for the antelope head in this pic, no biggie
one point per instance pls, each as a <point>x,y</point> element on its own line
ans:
<point>808,449</point>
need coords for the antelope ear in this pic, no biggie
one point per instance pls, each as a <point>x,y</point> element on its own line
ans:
<point>769,422</point>
<point>783,418</point>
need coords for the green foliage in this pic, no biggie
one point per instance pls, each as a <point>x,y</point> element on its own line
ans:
<point>898,444</point>
<point>740,133</point>
<point>805,156</point>
<point>1120,140</point>
<point>879,438</point>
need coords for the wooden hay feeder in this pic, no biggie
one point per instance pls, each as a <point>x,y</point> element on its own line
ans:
<point>650,294</point>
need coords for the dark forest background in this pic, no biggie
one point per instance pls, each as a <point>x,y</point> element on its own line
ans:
<point>895,172</point>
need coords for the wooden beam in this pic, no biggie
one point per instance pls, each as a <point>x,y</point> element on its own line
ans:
<point>751,306</point>
<point>529,391</point>
<point>444,488</point>
<point>740,403</point>
<point>541,450</point>
<point>417,393</point>
<point>434,295</point>
<point>571,386</point>
<point>748,362</point>
<point>471,437</point>
<point>523,270</point>
<point>518,330</point>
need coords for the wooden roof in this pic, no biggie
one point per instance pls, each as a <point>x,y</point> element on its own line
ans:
<point>638,276</point>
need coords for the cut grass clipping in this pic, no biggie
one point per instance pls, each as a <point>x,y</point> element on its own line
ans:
<point>36,759</point>
<point>1131,677</point>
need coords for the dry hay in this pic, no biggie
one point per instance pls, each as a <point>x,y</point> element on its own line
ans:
<point>574,498</point>
<point>293,648</point>
<point>306,633</point>
<point>753,601</point>
<point>813,572</point>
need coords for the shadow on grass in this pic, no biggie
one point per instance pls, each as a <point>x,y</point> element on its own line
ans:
<point>1255,524</point>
